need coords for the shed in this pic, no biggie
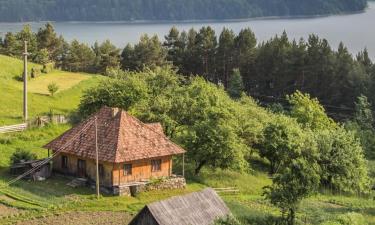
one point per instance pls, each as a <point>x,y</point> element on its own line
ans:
<point>42,172</point>
<point>198,208</point>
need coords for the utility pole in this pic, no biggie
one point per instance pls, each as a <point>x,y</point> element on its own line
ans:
<point>183,165</point>
<point>97,158</point>
<point>25,54</point>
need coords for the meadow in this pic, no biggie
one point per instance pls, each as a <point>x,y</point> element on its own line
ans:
<point>29,202</point>
<point>40,102</point>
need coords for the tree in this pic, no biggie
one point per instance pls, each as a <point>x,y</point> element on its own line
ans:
<point>149,52</point>
<point>52,88</point>
<point>281,138</point>
<point>205,50</point>
<point>296,176</point>
<point>363,113</point>
<point>47,39</point>
<point>107,56</point>
<point>343,167</point>
<point>235,85</point>
<point>79,57</point>
<point>245,44</point>
<point>309,112</point>
<point>208,127</point>
<point>225,56</point>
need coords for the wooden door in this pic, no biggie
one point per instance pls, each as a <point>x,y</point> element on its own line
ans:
<point>81,168</point>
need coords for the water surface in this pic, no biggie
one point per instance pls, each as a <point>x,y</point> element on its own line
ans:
<point>357,31</point>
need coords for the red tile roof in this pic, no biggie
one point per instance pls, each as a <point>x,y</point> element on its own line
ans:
<point>121,138</point>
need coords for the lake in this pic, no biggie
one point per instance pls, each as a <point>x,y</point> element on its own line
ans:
<point>355,30</point>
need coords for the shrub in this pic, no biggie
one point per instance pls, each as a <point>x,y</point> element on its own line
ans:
<point>48,67</point>
<point>230,220</point>
<point>35,72</point>
<point>21,155</point>
<point>351,218</point>
<point>52,88</point>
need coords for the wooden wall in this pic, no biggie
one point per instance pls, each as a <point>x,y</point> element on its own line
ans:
<point>114,173</point>
<point>105,180</point>
<point>141,170</point>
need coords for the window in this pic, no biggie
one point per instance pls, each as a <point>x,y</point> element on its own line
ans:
<point>127,169</point>
<point>64,162</point>
<point>101,170</point>
<point>155,165</point>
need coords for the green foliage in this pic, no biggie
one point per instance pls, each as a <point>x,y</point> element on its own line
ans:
<point>230,220</point>
<point>216,130</point>
<point>22,155</point>
<point>342,161</point>
<point>235,86</point>
<point>149,52</point>
<point>85,10</point>
<point>52,88</point>
<point>363,113</point>
<point>309,112</point>
<point>283,138</point>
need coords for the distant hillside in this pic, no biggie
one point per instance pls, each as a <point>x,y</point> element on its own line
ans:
<point>66,99</point>
<point>112,10</point>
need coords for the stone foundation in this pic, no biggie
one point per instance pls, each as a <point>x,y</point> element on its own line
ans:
<point>166,183</point>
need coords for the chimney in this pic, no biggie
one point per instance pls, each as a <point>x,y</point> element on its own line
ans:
<point>115,111</point>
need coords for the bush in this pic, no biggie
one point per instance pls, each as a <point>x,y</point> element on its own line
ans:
<point>21,155</point>
<point>351,218</point>
<point>48,67</point>
<point>52,88</point>
<point>230,220</point>
<point>35,72</point>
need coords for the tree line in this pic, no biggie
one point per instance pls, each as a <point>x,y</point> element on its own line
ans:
<point>128,10</point>
<point>268,70</point>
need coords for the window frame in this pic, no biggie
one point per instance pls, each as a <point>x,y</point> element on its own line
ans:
<point>128,169</point>
<point>156,165</point>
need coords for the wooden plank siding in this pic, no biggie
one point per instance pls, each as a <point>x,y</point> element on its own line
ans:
<point>141,170</point>
<point>113,174</point>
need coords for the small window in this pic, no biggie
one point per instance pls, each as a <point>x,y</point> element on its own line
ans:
<point>156,165</point>
<point>127,169</point>
<point>101,170</point>
<point>64,162</point>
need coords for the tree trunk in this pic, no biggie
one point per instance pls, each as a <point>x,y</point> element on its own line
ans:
<point>199,167</point>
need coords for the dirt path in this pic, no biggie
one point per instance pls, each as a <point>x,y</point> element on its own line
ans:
<point>82,218</point>
<point>8,211</point>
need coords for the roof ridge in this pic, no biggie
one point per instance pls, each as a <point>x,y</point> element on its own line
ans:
<point>118,134</point>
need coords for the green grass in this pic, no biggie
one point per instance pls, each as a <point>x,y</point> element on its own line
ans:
<point>65,100</point>
<point>53,196</point>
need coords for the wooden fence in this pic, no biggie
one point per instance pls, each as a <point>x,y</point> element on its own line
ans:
<point>13,128</point>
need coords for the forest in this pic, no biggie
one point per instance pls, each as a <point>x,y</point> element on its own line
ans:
<point>129,10</point>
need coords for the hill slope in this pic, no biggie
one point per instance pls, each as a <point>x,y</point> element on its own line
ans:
<point>64,101</point>
<point>99,10</point>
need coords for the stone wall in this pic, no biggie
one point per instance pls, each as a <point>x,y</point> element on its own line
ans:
<point>173,182</point>
<point>167,183</point>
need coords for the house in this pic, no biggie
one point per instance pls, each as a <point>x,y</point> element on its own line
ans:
<point>199,208</point>
<point>129,151</point>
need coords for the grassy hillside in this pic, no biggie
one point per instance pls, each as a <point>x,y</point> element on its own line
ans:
<point>52,200</point>
<point>65,100</point>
